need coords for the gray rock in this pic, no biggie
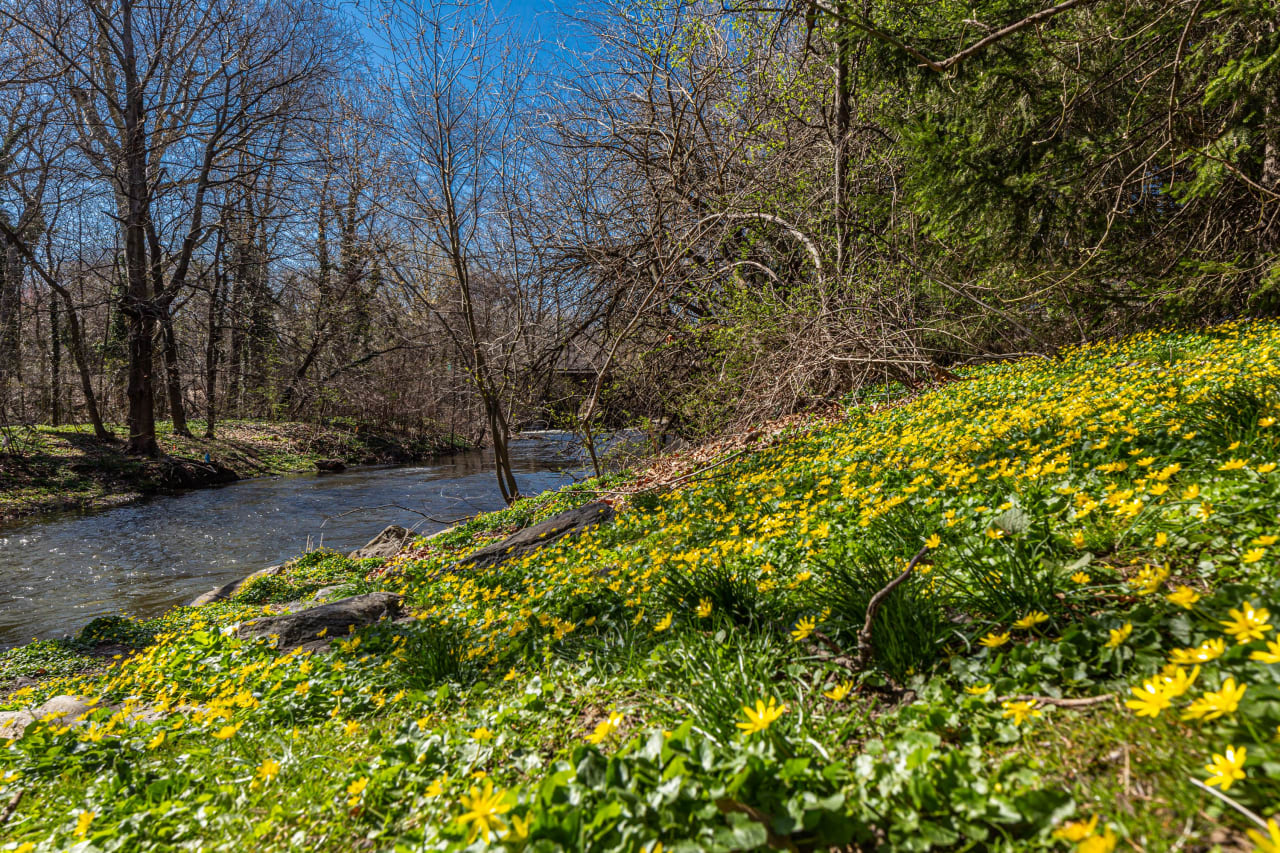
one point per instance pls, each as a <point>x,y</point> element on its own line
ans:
<point>60,710</point>
<point>557,527</point>
<point>63,709</point>
<point>14,723</point>
<point>334,620</point>
<point>388,543</point>
<point>229,589</point>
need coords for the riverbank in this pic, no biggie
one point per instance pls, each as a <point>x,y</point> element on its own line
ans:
<point>51,469</point>
<point>1030,610</point>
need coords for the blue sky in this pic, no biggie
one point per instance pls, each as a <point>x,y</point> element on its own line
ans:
<point>542,19</point>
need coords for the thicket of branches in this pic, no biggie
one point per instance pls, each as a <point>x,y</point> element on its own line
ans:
<point>711,213</point>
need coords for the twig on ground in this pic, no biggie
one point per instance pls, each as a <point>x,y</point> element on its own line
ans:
<point>837,655</point>
<point>864,636</point>
<point>11,806</point>
<point>1221,796</point>
<point>1061,703</point>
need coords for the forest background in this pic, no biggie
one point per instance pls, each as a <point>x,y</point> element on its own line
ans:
<point>434,217</point>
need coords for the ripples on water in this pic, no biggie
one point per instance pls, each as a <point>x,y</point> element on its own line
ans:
<point>143,558</point>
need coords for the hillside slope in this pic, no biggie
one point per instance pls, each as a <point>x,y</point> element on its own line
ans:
<point>1082,641</point>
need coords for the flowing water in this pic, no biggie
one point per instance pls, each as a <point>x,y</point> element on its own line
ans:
<point>141,559</point>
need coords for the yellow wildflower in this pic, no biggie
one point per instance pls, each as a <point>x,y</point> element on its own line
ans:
<point>841,690</point>
<point>483,811</point>
<point>664,623</point>
<point>1081,578</point>
<point>994,640</point>
<point>355,790</point>
<point>605,728</point>
<point>519,828</point>
<point>1227,768</point>
<point>704,608</point>
<point>978,690</point>
<point>227,732</point>
<point>1035,617</point>
<point>1205,652</point>
<point>1149,699</point>
<point>436,788</point>
<point>1104,843</point>
<point>1119,635</point>
<point>1019,711</point>
<point>268,770</point>
<point>761,717</point>
<point>1247,623</point>
<point>1183,596</point>
<point>1271,655</point>
<point>1076,830</point>
<point>82,823</point>
<point>1270,843</point>
<point>803,629</point>
<point>1213,704</point>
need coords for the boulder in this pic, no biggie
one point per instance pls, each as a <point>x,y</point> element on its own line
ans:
<point>330,466</point>
<point>60,710</point>
<point>386,544</point>
<point>557,527</point>
<point>14,723</point>
<point>64,709</point>
<point>229,589</point>
<point>178,472</point>
<point>333,620</point>
<point>325,593</point>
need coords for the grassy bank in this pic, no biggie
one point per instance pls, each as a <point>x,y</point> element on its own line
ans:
<point>1084,637</point>
<point>45,469</point>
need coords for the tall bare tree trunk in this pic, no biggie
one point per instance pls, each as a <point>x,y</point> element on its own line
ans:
<point>55,364</point>
<point>173,382</point>
<point>138,309</point>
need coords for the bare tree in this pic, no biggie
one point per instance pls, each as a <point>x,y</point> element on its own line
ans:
<point>162,96</point>
<point>456,78</point>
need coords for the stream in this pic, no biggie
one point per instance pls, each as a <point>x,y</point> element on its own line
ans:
<point>58,574</point>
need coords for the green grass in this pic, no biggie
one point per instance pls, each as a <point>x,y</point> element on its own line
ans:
<point>1089,520</point>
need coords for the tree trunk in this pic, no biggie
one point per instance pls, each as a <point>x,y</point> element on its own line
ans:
<point>11,270</point>
<point>173,381</point>
<point>137,305</point>
<point>843,95</point>
<point>211,347</point>
<point>55,364</point>
<point>82,365</point>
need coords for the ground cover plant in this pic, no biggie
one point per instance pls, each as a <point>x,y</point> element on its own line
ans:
<point>1082,656</point>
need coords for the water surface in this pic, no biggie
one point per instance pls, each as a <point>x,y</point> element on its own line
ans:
<point>58,574</point>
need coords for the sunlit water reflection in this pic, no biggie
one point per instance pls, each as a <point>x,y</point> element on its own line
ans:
<point>141,559</point>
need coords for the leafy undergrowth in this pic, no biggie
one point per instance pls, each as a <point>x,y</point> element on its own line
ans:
<point>45,469</point>
<point>1084,640</point>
